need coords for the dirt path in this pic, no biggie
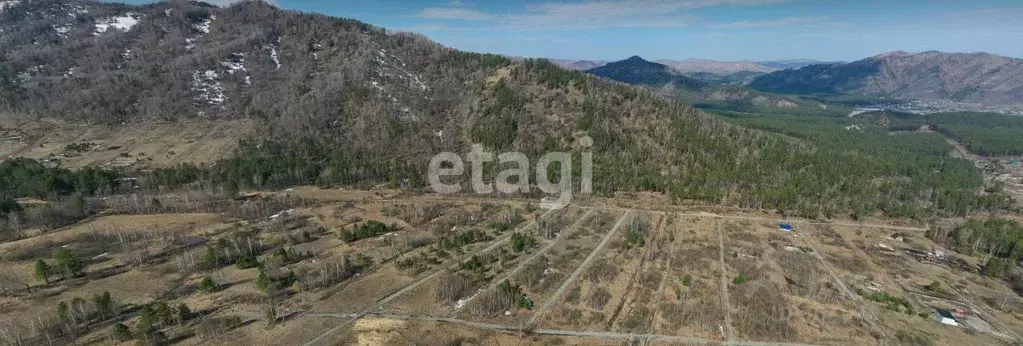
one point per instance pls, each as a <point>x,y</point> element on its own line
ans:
<point>575,274</point>
<point>509,274</point>
<point>437,272</point>
<point>849,294</point>
<point>660,290</point>
<point>463,199</point>
<point>630,290</point>
<point>553,332</point>
<point>724,284</point>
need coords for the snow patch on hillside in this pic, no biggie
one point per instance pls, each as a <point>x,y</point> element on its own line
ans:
<point>27,75</point>
<point>76,10</point>
<point>204,27</point>
<point>123,23</point>
<point>8,4</point>
<point>394,72</point>
<point>273,55</point>
<point>236,64</point>
<point>392,66</point>
<point>61,30</point>
<point>207,86</point>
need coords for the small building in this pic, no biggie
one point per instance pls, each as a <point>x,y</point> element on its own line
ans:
<point>784,227</point>
<point>946,317</point>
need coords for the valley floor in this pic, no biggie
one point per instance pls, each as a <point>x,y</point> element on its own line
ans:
<point>601,271</point>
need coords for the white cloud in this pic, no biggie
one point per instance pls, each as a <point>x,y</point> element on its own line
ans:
<point>590,14</point>
<point>772,23</point>
<point>453,13</point>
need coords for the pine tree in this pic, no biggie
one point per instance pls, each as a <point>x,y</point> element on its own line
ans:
<point>63,312</point>
<point>104,305</point>
<point>68,263</point>
<point>42,271</point>
<point>146,320</point>
<point>263,282</point>
<point>210,261</point>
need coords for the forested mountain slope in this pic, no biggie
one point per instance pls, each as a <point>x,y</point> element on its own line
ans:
<point>347,103</point>
<point>969,77</point>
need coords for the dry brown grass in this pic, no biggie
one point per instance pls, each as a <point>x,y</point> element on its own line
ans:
<point>789,295</point>
<point>147,145</point>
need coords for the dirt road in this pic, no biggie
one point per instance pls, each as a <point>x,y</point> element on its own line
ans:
<point>579,270</point>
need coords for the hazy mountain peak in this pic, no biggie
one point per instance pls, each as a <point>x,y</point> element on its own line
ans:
<point>893,54</point>
<point>636,70</point>
<point>635,58</point>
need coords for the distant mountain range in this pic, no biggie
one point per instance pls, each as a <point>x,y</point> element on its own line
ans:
<point>717,67</point>
<point>711,71</point>
<point>681,86</point>
<point>579,65</point>
<point>979,78</point>
<point>794,63</point>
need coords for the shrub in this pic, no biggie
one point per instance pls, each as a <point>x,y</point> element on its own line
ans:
<point>935,287</point>
<point>368,229</point>
<point>120,332</point>
<point>246,262</point>
<point>739,280</point>
<point>520,242</point>
<point>598,298</point>
<point>634,238</point>
<point>183,314</point>
<point>208,285</point>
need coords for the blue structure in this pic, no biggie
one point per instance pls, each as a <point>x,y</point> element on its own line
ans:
<point>785,227</point>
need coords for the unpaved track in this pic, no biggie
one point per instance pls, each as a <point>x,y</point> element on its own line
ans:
<point>552,332</point>
<point>578,270</point>
<point>511,273</point>
<point>434,274</point>
<point>663,211</point>
<point>660,288</point>
<point>630,289</point>
<point>642,337</point>
<point>864,310</point>
<point>724,284</point>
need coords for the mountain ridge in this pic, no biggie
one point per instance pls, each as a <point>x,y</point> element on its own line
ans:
<point>636,70</point>
<point>707,95</point>
<point>342,102</point>
<point>981,78</point>
<point>715,66</point>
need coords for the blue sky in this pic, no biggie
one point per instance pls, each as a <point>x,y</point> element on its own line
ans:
<point>710,29</point>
